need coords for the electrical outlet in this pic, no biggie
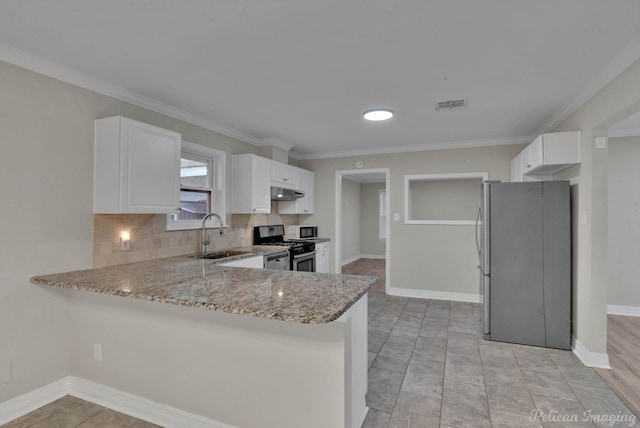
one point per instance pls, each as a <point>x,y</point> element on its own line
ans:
<point>97,352</point>
<point>396,216</point>
<point>243,232</point>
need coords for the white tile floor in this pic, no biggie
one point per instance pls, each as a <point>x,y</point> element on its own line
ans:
<point>430,367</point>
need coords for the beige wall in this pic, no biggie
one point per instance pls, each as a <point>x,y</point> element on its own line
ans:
<point>624,227</point>
<point>46,175</point>
<point>217,365</point>
<point>444,199</point>
<point>614,102</point>
<point>422,257</point>
<point>369,242</point>
<point>350,219</point>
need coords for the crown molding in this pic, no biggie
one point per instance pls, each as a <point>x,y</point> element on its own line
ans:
<point>622,61</point>
<point>620,133</point>
<point>274,142</point>
<point>56,71</point>
<point>415,148</point>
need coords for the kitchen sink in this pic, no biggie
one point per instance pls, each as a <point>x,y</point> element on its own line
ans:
<point>222,254</point>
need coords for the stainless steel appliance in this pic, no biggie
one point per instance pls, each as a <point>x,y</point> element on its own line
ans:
<point>278,261</point>
<point>523,235</point>
<point>302,254</point>
<point>282,194</point>
<point>302,232</point>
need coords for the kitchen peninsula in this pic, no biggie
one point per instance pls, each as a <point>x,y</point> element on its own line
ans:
<point>238,346</point>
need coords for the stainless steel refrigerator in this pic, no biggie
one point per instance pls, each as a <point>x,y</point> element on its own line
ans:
<point>524,243</point>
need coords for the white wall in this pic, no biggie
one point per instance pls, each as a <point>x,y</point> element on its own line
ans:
<point>422,257</point>
<point>46,220</point>
<point>624,227</point>
<point>350,219</point>
<point>611,104</point>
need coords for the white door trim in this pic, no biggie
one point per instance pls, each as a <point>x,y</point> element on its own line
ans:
<point>338,217</point>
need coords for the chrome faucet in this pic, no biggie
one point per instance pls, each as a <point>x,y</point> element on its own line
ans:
<point>205,238</point>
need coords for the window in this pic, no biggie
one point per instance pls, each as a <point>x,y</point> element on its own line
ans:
<point>382,215</point>
<point>202,187</point>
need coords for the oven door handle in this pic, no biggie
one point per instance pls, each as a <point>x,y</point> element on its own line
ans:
<point>305,255</point>
<point>282,255</point>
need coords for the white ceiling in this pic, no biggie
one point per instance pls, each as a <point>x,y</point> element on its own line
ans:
<point>302,72</point>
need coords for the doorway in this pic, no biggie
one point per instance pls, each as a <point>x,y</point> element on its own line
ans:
<point>362,224</point>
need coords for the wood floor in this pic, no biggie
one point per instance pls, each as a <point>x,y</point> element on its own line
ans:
<point>623,347</point>
<point>371,267</point>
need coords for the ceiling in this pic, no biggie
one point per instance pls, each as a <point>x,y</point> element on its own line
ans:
<point>300,73</point>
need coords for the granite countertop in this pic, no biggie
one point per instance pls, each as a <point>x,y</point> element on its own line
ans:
<point>301,297</point>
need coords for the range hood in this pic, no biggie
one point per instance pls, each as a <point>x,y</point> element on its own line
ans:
<point>281,194</point>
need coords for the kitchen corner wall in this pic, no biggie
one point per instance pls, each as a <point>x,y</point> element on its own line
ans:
<point>150,240</point>
<point>47,224</point>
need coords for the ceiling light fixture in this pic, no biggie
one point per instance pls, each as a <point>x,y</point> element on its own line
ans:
<point>378,114</point>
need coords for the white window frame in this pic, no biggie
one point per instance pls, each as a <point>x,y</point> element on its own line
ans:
<point>218,161</point>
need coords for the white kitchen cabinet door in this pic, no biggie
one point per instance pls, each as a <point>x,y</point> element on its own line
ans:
<point>533,155</point>
<point>256,262</point>
<point>283,175</point>
<point>546,155</point>
<point>250,184</point>
<point>308,182</point>
<point>517,168</point>
<point>322,257</point>
<point>136,168</point>
<point>304,205</point>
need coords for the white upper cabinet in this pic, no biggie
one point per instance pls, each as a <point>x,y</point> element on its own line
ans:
<point>517,167</point>
<point>136,168</point>
<point>546,155</point>
<point>250,184</point>
<point>283,175</point>
<point>304,182</point>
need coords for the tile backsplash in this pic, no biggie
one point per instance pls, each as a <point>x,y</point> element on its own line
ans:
<point>150,240</point>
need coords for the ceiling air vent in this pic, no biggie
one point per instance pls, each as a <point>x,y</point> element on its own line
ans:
<point>451,105</point>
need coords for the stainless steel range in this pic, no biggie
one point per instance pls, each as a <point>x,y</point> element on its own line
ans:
<point>302,254</point>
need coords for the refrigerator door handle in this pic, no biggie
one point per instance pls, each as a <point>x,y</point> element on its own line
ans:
<point>477,224</point>
<point>478,241</point>
<point>486,306</point>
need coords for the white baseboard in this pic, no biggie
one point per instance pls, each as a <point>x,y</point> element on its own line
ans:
<point>629,311</point>
<point>30,401</point>
<point>108,397</point>
<point>588,358</point>
<point>363,256</point>
<point>434,295</point>
<point>139,407</point>
<point>373,256</point>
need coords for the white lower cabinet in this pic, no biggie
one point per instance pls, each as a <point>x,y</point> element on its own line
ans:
<point>136,168</point>
<point>256,262</point>
<point>322,257</point>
